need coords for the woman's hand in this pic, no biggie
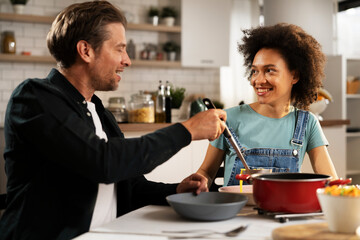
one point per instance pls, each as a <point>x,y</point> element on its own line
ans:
<point>194,183</point>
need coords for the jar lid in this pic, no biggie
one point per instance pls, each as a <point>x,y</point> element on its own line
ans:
<point>117,100</point>
<point>11,33</point>
<point>141,96</point>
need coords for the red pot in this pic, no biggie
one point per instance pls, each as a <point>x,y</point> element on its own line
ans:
<point>289,192</point>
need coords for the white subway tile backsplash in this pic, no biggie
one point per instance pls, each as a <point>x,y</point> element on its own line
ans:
<point>25,42</point>
<point>44,3</point>
<point>36,10</point>
<point>11,74</point>
<point>5,65</point>
<point>5,95</point>
<point>6,85</point>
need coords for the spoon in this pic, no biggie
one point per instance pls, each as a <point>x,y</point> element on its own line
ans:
<point>205,232</point>
<point>209,104</point>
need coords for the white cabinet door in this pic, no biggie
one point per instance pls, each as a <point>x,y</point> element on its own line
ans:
<point>205,33</point>
<point>181,165</point>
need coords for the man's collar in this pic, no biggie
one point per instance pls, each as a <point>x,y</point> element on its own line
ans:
<point>59,80</point>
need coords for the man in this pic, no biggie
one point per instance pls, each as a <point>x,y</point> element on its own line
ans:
<point>69,167</point>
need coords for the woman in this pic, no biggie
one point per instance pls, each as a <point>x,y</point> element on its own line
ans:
<point>286,67</point>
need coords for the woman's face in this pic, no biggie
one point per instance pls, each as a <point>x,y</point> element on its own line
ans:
<point>270,77</point>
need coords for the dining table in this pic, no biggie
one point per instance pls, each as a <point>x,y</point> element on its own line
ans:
<point>162,223</point>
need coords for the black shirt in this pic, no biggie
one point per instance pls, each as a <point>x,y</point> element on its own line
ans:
<point>54,161</point>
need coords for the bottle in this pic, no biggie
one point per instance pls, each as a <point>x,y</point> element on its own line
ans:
<point>9,44</point>
<point>168,103</point>
<point>131,50</point>
<point>160,104</point>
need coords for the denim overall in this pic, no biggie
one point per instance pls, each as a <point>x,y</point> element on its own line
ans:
<point>279,160</point>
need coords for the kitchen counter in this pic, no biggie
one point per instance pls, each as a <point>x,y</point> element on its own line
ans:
<point>150,127</point>
<point>149,223</point>
<point>334,122</point>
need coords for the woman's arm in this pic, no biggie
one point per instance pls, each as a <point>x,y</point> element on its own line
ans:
<point>213,159</point>
<point>321,161</point>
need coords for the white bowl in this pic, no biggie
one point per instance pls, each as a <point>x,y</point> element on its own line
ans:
<point>247,190</point>
<point>318,107</point>
<point>342,213</point>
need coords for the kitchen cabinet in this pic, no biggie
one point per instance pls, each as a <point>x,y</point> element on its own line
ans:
<point>181,165</point>
<point>205,37</point>
<point>48,59</point>
<point>345,106</point>
<point>353,113</point>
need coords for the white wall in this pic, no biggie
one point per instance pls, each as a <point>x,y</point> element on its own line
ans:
<point>348,28</point>
<point>234,85</point>
<point>317,17</point>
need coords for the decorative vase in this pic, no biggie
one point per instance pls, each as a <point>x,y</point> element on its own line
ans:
<point>169,21</point>
<point>18,8</point>
<point>175,115</point>
<point>171,56</point>
<point>154,20</point>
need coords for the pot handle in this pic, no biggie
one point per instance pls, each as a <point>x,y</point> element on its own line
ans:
<point>243,177</point>
<point>340,181</point>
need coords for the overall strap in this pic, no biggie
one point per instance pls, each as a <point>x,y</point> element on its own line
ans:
<point>300,127</point>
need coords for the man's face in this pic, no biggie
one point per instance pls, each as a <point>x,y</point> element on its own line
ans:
<point>110,60</point>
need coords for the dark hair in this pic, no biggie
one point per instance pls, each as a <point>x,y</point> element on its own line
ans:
<point>300,51</point>
<point>81,21</point>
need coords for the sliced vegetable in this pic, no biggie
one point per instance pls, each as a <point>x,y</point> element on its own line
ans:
<point>343,190</point>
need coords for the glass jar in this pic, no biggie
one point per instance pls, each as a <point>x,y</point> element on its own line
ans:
<point>9,44</point>
<point>118,108</point>
<point>141,108</point>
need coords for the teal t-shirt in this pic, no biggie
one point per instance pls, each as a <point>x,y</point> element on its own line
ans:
<point>257,131</point>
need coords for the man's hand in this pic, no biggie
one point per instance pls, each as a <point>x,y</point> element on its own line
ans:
<point>206,125</point>
<point>194,183</point>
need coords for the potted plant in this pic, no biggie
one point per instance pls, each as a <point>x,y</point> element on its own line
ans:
<point>171,48</point>
<point>18,5</point>
<point>168,15</point>
<point>177,97</point>
<point>153,15</point>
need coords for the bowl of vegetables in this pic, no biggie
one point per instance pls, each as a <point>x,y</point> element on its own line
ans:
<point>341,207</point>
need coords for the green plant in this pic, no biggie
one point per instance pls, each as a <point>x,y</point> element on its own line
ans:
<point>18,1</point>
<point>153,11</point>
<point>177,96</point>
<point>171,46</point>
<point>168,12</point>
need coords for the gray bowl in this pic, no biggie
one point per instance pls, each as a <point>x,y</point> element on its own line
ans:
<point>207,206</point>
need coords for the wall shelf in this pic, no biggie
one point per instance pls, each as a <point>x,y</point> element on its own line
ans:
<point>26,18</point>
<point>50,59</point>
<point>353,134</point>
<point>353,96</point>
<point>149,27</point>
<point>49,19</point>
<point>24,58</point>
<point>353,172</point>
<point>155,63</point>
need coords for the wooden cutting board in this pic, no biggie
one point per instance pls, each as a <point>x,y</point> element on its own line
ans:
<point>315,231</point>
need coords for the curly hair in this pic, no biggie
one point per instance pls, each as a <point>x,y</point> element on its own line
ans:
<point>301,52</point>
